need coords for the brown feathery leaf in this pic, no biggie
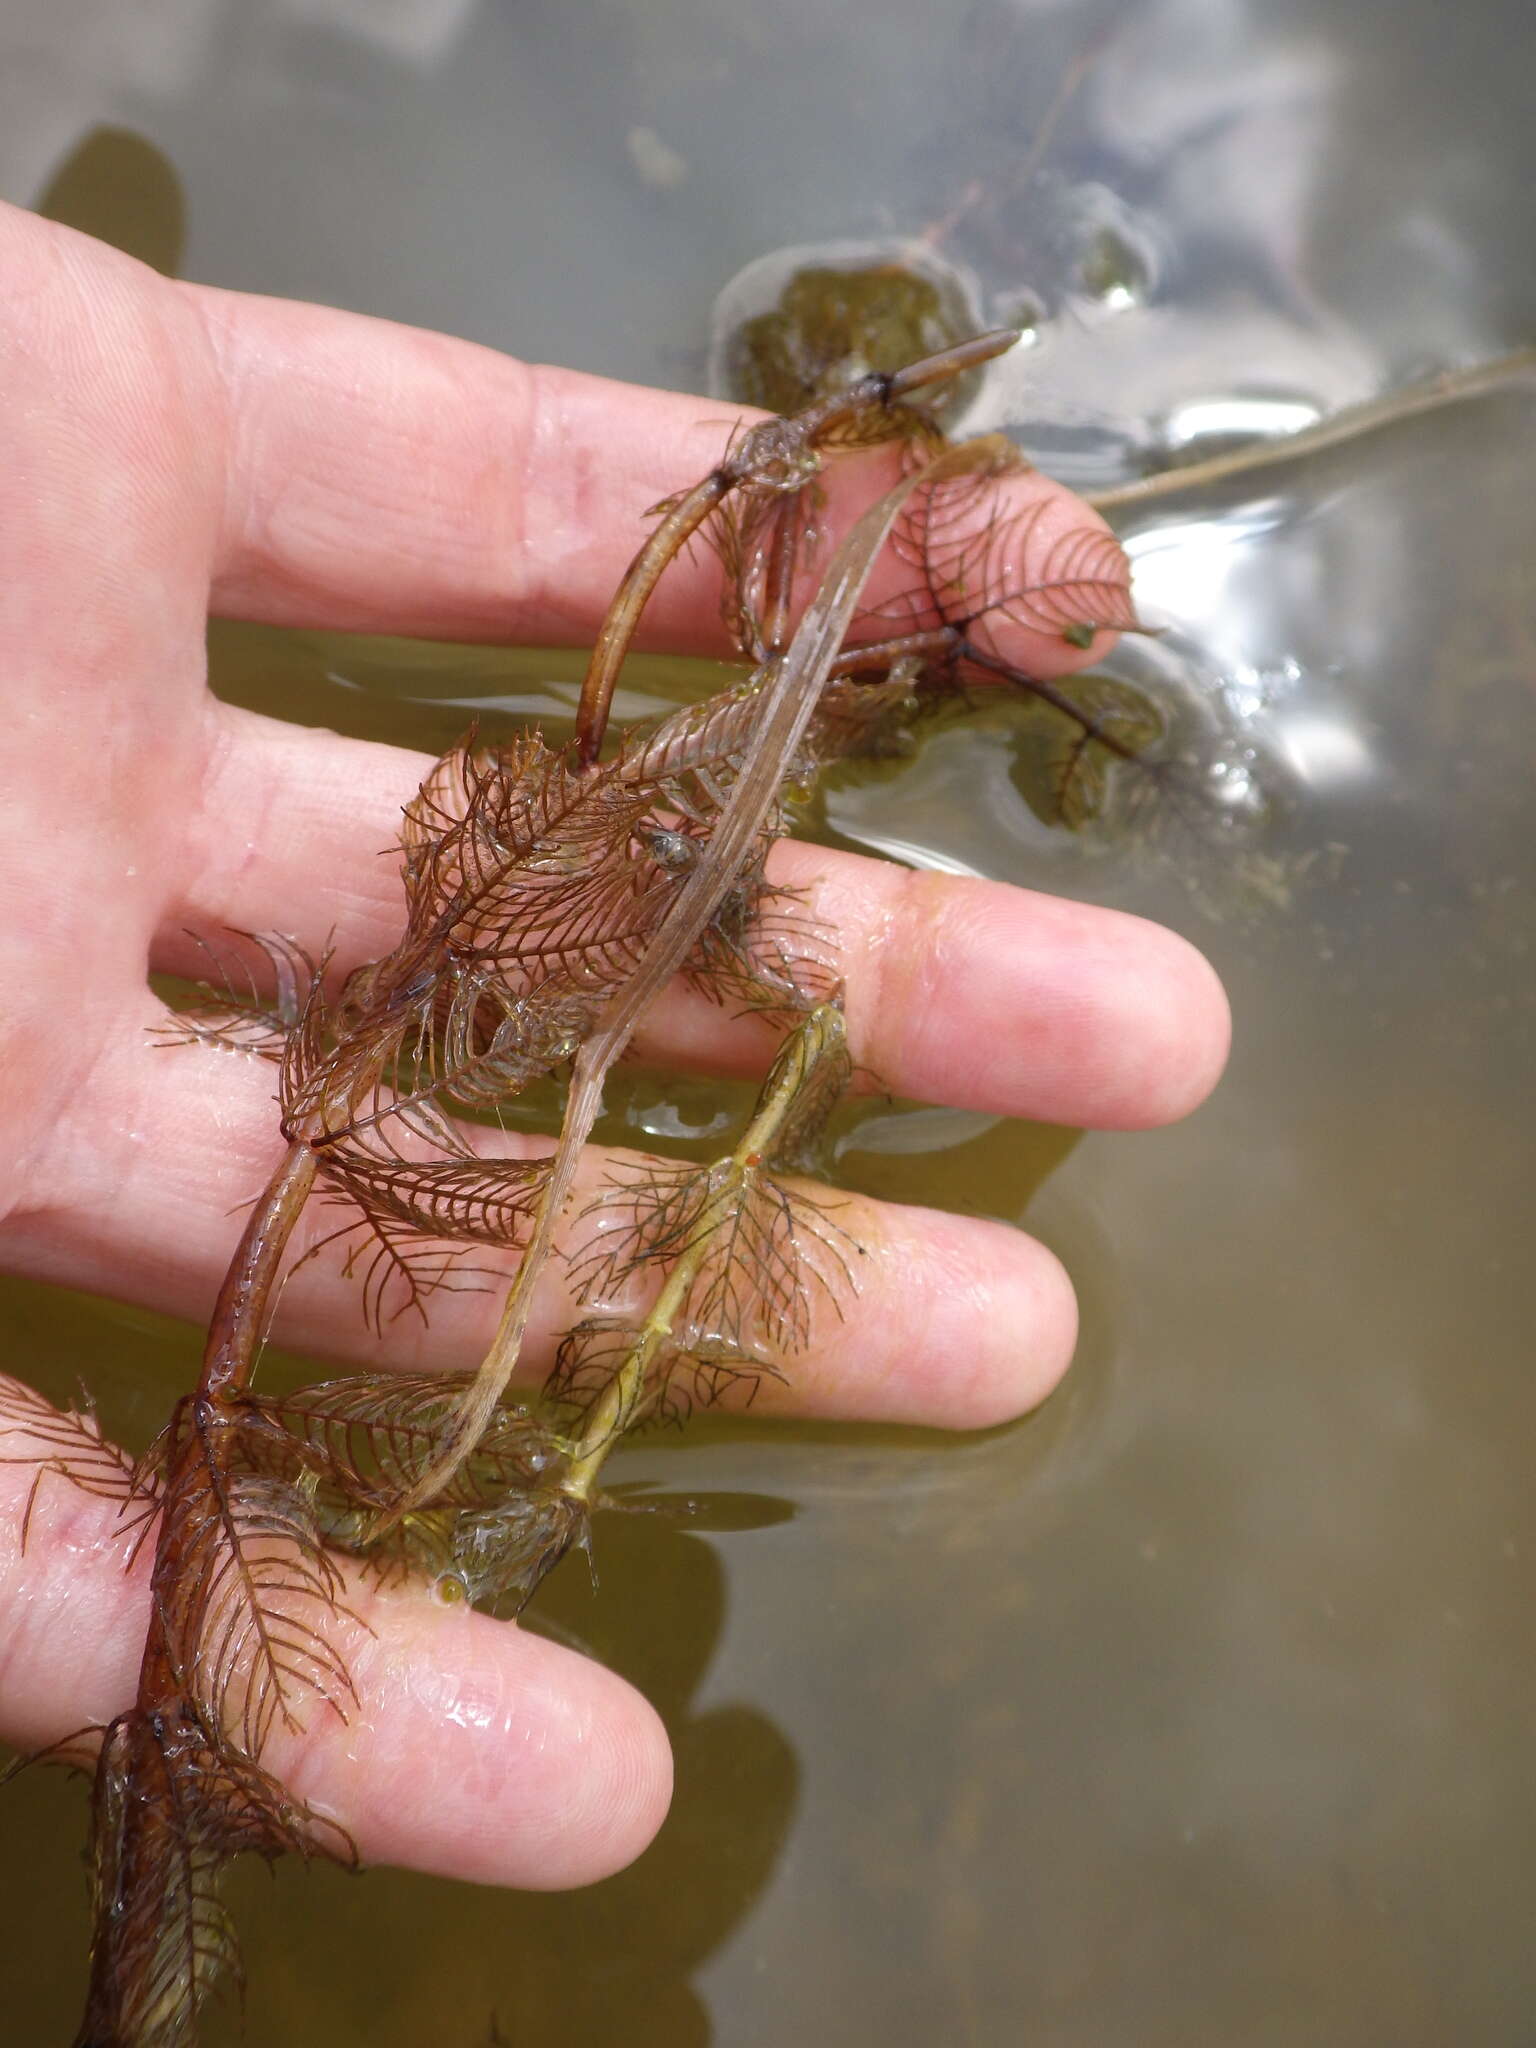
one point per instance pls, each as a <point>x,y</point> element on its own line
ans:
<point>250,1615</point>
<point>230,1010</point>
<point>68,1444</point>
<point>172,1803</point>
<point>980,568</point>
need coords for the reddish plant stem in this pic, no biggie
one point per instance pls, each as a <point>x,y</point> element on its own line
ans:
<point>776,454</point>
<point>239,1314</point>
<point>138,1790</point>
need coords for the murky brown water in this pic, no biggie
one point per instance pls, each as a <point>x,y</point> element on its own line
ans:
<point>1199,1707</point>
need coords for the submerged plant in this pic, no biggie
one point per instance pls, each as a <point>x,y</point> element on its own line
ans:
<point>552,894</point>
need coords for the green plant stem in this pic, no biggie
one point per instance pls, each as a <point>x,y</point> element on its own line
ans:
<point>730,1179</point>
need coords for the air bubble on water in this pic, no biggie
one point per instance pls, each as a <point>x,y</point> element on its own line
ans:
<point>1249,693</point>
<point>1112,272</point>
<point>1232,783</point>
<point>1113,255</point>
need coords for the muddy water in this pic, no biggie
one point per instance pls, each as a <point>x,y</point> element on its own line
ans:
<point>1197,1707</point>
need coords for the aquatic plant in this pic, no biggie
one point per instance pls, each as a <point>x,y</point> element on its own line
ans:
<point>552,893</point>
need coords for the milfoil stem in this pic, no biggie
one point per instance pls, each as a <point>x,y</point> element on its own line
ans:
<point>775,454</point>
<point>168,1710</point>
<point>791,686</point>
<point>818,1037</point>
<point>240,1313</point>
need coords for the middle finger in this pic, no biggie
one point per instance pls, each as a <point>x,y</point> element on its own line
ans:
<point>966,992</point>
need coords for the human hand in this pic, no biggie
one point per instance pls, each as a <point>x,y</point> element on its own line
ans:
<point>168,451</point>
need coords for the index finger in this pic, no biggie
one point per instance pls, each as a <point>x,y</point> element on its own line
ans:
<point>384,479</point>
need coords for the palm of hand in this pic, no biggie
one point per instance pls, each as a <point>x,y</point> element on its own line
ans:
<point>171,452</point>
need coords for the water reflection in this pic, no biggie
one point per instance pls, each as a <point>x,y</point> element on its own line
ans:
<point>410,31</point>
<point>1206,420</point>
<point>580,1967</point>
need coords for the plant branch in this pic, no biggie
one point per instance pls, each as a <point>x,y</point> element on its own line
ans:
<point>819,1037</point>
<point>790,688</point>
